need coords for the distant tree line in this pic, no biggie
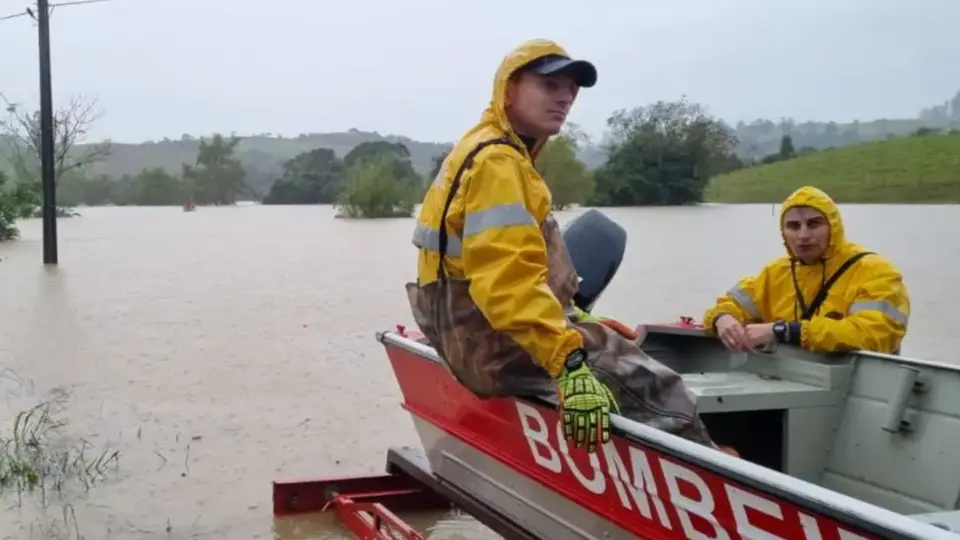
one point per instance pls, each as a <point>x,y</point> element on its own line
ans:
<point>215,178</point>
<point>946,112</point>
<point>761,138</point>
<point>375,179</point>
<point>263,155</point>
<point>661,154</point>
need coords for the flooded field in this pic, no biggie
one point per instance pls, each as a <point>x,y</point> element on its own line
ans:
<point>222,349</point>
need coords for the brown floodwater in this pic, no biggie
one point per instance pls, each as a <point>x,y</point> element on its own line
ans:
<point>221,349</point>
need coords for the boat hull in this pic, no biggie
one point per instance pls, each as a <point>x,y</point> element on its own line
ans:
<point>509,454</point>
<point>542,512</point>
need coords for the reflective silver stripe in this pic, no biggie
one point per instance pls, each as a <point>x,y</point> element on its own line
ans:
<point>746,302</point>
<point>882,306</point>
<point>502,215</point>
<point>429,238</point>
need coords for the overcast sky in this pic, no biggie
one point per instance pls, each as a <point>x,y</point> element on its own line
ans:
<point>423,68</point>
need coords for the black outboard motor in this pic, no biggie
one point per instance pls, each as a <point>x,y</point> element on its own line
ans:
<point>596,244</point>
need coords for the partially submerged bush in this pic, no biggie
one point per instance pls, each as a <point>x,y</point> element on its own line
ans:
<point>9,211</point>
<point>373,189</point>
<point>35,458</point>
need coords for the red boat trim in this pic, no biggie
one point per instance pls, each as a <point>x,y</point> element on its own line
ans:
<point>857,514</point>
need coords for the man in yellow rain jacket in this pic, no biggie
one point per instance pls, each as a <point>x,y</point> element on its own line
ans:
<point>827,294</point>
<point>495,284</point>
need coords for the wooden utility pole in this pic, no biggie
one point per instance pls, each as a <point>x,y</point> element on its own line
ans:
<point>47,165</point>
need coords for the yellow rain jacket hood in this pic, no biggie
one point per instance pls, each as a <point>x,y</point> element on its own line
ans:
<point>494,119</point>
<point>867,307</point>
<point>818,200</point>
<point>496,214</point>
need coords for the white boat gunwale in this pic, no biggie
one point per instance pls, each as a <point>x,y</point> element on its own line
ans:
<point>919,362</point>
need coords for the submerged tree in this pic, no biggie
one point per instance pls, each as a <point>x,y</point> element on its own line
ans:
<point>568,178</point>
<point>20,130</point>
<point>373,190</point>
<point>662,154</point>
<point>312,177</point>
<point>216,177</point>
<point>9,212</point>
<point>17,201</point>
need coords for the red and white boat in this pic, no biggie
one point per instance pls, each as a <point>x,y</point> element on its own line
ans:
<point>833,447</point>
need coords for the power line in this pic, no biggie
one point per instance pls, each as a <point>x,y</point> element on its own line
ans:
<point>15,15</point>
<point>27,12</point>
<point>76,3</point>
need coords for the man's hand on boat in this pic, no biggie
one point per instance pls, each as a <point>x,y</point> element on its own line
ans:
<point>585,403</point>
<point>761,335</point>
<point>737,337</point>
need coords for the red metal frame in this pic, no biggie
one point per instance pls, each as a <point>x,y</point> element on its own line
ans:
<point>372,521</point>
<point>399,492</point>
<point>365,505</point>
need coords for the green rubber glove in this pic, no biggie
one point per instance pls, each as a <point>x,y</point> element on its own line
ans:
<point>583,316</point>
<point>585,405</point>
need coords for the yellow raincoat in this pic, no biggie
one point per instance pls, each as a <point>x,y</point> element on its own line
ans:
<point>867,307</point>
<point>498,211</point>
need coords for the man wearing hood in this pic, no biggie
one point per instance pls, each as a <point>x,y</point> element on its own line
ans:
<point>826,295</point>
<point>495,284</point>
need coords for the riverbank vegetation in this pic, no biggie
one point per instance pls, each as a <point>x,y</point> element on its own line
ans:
<point>16,202</point>
<point>42,469</point>
<point>923,168</point>
<point>35,460</point>
<point>666,153</point>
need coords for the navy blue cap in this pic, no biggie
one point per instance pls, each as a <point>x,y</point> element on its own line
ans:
<point>583,72</point>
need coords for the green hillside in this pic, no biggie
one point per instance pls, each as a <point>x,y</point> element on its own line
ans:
<point>916,169</point>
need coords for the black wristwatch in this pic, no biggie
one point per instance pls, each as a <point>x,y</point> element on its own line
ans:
<point>781,331</point>
<point>575,359</point>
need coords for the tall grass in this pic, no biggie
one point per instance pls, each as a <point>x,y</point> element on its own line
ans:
<point>38,461</point>
<point>34,458</point>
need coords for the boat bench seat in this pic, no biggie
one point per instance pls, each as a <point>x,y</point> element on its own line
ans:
<point>732,391</point>
<point>949,520</point>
